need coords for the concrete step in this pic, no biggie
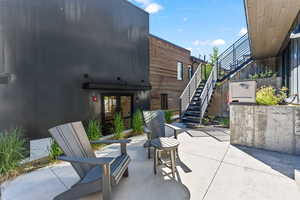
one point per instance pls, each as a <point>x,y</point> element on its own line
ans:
<point>191,120</point>
<point>193,108</point>
<point>196,98</point>
<point>195,103</point>
<point>193,113</point>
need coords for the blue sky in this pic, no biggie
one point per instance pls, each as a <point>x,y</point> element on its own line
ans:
<point>196,24</point>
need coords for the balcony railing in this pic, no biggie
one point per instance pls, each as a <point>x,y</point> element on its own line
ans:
<point>233,58</point>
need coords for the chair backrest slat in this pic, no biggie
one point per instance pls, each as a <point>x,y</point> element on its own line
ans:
<point>155,121</point>
<point>74,142</point>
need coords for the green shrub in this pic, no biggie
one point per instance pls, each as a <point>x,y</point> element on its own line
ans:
<point>118,126</point>
<point>211,117</point>
<point>137,122</point>
<point>12,150</point>
<point>225,122</point>
<point>168,116</point>
<point>266,74</point>
<point>55,150</point>
<point>208,69</point>
<point>267,96</point>
<point>94,130</point>
<point>205,121</point>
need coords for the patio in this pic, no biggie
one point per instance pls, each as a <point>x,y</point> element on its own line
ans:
<point>211,169</point>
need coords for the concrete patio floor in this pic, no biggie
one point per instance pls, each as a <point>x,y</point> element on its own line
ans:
<point>218,171</point>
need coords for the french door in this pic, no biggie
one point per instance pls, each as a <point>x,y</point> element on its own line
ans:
<point>113,104</point>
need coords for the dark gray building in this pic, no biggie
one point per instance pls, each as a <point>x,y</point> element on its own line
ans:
<point>71,60</point>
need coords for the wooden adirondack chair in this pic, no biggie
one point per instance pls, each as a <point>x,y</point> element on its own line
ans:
<point>96,174</point>
<point>155,126</point>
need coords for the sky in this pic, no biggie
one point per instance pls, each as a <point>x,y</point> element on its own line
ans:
<point>197,25</point>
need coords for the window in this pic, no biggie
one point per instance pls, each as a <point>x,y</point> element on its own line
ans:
<point>179,71</point>
<point>190,72</point>
<point>164,101</point>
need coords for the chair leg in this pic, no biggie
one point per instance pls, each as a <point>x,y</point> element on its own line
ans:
<point>106,184</point>
<point>126,173</point>
<point>149,157</point>
<point>155,160</point>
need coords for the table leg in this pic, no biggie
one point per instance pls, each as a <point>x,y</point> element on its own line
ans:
<point>173,162</point>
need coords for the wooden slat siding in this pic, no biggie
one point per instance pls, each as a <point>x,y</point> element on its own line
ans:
<point>74,142</point>
<point>163,72</point>
<point>269,22</point>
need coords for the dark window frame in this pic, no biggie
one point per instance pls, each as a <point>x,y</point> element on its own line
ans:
<point>180,78</point>
<point>164,104</point>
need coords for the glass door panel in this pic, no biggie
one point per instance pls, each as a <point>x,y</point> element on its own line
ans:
<point>113,104</point>
<point>126,108</point>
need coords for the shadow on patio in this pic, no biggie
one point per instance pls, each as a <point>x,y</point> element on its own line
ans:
<point>283,163</point>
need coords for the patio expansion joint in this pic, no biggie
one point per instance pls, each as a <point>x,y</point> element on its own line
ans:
<point>216,172</point>
<point>59,179</point>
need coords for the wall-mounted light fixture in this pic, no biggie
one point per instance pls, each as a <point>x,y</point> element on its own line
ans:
<point>5,78</point>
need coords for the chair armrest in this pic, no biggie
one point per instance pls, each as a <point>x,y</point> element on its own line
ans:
<point>175,128</point>
<point>147,130</point>
<point>110,141</point>
<point>123,143</point>
<point>90,161</point>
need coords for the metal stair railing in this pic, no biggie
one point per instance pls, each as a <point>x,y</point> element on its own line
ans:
<point>208,91</point>
<point>233,57</point>
<point>189,91</point>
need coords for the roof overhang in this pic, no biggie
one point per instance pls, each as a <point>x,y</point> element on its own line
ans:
<point>118,87</point>
<point>269,24</point>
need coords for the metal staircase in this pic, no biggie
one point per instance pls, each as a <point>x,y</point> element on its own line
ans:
<point>234,58</point>
<point>196,96</point>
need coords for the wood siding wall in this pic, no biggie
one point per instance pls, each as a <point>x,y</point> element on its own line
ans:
<point>163,72</point>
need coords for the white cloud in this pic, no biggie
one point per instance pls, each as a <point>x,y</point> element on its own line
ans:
<point>243,31</point>
<point>149,5</point>
<point>185,19</point>
<point>153,8</point>
<point>201,43</point>
<point>144,2</point>
<point>218,42</point>
<point>190,49</point>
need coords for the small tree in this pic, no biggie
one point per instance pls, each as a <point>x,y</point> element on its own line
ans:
<point>55,150</point>
<point>94,130</point>
<point>137,122</point>
<point>12,150</point>
<point>168,116</point>
<point>214,56</point>
<point>118,126</point>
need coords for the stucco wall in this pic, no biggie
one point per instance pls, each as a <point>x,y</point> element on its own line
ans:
<point>275,128</point>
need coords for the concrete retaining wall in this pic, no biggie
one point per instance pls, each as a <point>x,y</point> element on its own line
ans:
<point>275,128</point>
<point>219,107</point>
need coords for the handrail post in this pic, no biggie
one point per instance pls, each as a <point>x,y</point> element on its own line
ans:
<point>189,93</point>
<point>217,66</point>
<point>180,109</point>
<point>196,81</point>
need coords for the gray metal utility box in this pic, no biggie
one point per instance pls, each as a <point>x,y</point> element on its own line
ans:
<point>242,92</point>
